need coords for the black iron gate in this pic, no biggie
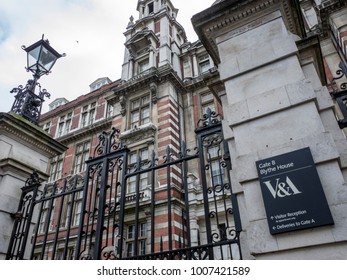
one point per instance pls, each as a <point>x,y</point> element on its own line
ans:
<point>174,204</point>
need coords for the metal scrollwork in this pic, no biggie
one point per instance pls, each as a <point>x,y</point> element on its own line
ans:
<point>28,104</point>
<point>210,118</point>
<point>212,140</point>
<point>341,72</point>
<point>108,142</point>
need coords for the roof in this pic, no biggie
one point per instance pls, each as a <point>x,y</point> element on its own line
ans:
<point>79,100</point>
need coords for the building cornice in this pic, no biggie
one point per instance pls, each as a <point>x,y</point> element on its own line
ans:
<point>233,14</point>
<point>86,131</point>
<point>29,134</point>
<point>202,80</point>
<point>145,133</point>
<point>325,12</point>
<point>79,101</point>
<point>16,166</point>
<point>153,75</point>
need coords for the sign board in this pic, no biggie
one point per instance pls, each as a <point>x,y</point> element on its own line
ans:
<point>292,192</point>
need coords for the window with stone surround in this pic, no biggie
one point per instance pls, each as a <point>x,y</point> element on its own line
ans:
<point>214,157</point>
<point>204,63</point>
<point>46,220</point>
<point>70,252</point>
<point>143,65</point>
<point>81,155</point>
<point>56,168</point>
<point>144,179</point>
<point>64,125</point>
<point>75,211</point>
<point>109,109</point>
<point>139,111</point>
<point>88,115</point>
<point>131,239</point>
<point>46,127</point>
<point>150,8</point>
<point>207,101</point>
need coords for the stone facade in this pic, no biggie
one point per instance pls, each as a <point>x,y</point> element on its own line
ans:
<point>161,96</point>
<point>275,101</point>
<point>268,67</point>
<point>24,147</point>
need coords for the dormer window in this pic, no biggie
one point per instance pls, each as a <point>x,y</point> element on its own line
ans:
<point>99,83</point>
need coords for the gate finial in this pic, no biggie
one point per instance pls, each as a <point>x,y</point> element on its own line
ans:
<point>210,118</point>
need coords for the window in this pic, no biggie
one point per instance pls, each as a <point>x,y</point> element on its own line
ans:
<point>140,113</point>
<point>56,168</point>
<point>150,8</point>
<point>204,64</point>
<point>69,254</point>
<point>45,219</point>
<point>207,101</point>
<point>88,115</point>
<point>81,155</point>
<point>143,65</point>
<point>143,182</point>
<point>75,211</point>
<point>222,232</point>
<point>47,127</point>
<point>130,240</point>
<point>64,125</point>
<point>214,157</point>
<point>109,110</point>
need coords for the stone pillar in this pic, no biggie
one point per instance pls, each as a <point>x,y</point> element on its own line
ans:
<point>272,106</point>
<point>24,147</point>
<point>151,58</point>
<point>195,66</point>
<point>131,68</point>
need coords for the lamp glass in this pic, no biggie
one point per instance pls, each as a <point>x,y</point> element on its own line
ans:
<point>41,60</point>
<point>47,59</point>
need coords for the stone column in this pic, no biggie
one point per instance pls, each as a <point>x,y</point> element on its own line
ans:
<point>131,68</point>
<point>273,106</point>
<point>195,66</point>
<point>151,58</point>
<point>24,147</point>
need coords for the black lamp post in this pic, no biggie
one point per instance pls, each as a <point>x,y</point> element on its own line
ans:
<point>40,59</point>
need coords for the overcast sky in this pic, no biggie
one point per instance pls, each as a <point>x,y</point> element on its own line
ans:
<point>90,32</point>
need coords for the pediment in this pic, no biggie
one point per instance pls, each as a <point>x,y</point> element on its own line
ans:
<point>141,40</point>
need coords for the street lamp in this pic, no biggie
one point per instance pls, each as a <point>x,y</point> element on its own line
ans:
<point>40,59</point>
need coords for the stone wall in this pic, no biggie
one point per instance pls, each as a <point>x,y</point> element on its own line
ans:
<point>274,104</point>
<point>24,148</point>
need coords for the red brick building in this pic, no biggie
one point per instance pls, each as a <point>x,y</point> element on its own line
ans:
<point>166,87</point>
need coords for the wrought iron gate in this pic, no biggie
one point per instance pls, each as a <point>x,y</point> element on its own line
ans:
<point>174,205</point>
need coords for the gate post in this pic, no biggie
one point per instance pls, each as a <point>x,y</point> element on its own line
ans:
<point>23,218</point>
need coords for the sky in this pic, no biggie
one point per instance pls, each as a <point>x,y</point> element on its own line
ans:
<point>90,32</point>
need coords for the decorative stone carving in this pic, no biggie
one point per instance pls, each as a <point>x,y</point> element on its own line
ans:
<point>131,22</point>
<point>145,133</point>
<point>122,102</point>
<point>153,89</point>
